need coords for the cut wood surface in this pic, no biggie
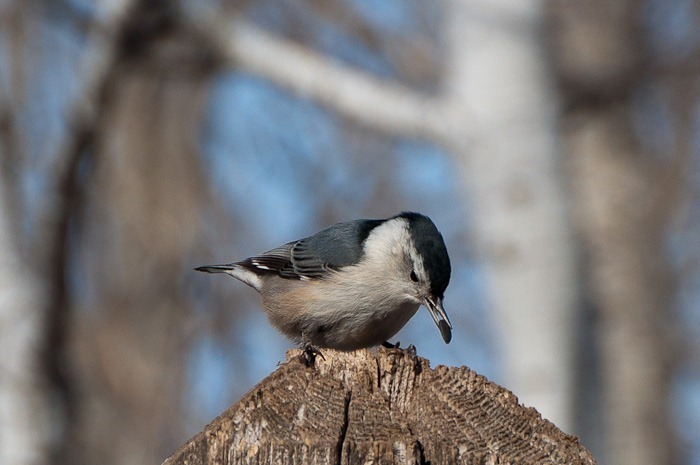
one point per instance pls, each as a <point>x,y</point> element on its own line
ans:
<point>383,407</point>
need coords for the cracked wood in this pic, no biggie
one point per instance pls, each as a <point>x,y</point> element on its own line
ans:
<point>388,407</point>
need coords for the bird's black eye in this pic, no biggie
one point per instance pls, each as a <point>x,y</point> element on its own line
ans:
<point>414,277</point>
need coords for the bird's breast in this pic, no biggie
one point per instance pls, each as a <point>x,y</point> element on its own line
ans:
<point>336,315</point>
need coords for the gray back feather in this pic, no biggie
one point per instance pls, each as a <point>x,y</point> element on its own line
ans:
<point>315,256</point>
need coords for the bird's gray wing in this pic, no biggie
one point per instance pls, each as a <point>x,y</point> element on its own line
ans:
<point>318,255</point>
<point>272,261</point>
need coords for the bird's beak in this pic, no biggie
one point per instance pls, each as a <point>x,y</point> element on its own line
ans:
<point>434,305</point>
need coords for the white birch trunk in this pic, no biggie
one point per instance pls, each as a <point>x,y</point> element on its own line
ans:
<point>504,108</point>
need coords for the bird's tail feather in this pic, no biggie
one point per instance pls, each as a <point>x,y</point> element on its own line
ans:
<point>215,268</point>
<point>237,271</point>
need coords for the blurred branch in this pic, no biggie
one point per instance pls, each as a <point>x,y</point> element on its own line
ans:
<point>385,105</point>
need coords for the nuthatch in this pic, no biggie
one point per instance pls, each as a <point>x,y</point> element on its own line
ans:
<point>354,284</point>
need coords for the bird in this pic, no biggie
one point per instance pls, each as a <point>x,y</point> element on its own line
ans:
<point>352,285</point>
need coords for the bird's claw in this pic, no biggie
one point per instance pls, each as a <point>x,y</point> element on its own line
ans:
<point>389,345</point>
<point>309,354</point>
<point>411,349</point>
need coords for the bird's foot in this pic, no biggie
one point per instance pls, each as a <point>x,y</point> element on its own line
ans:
<point>309,354</point>
<point>389,345</point>
<point>411,349</point>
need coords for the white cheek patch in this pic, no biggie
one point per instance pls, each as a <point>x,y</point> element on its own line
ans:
<point>389,247</point>
<point>387,239</point>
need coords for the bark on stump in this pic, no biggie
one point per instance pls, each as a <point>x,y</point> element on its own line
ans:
<point>388,407</point>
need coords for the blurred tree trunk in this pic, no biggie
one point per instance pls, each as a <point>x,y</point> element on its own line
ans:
<point>623,197</point>
<point>34,389</point>
<point>504,136</point>
<point>140,224</point>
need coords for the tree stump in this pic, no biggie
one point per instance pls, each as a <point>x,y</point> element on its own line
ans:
<point>389,407</point>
